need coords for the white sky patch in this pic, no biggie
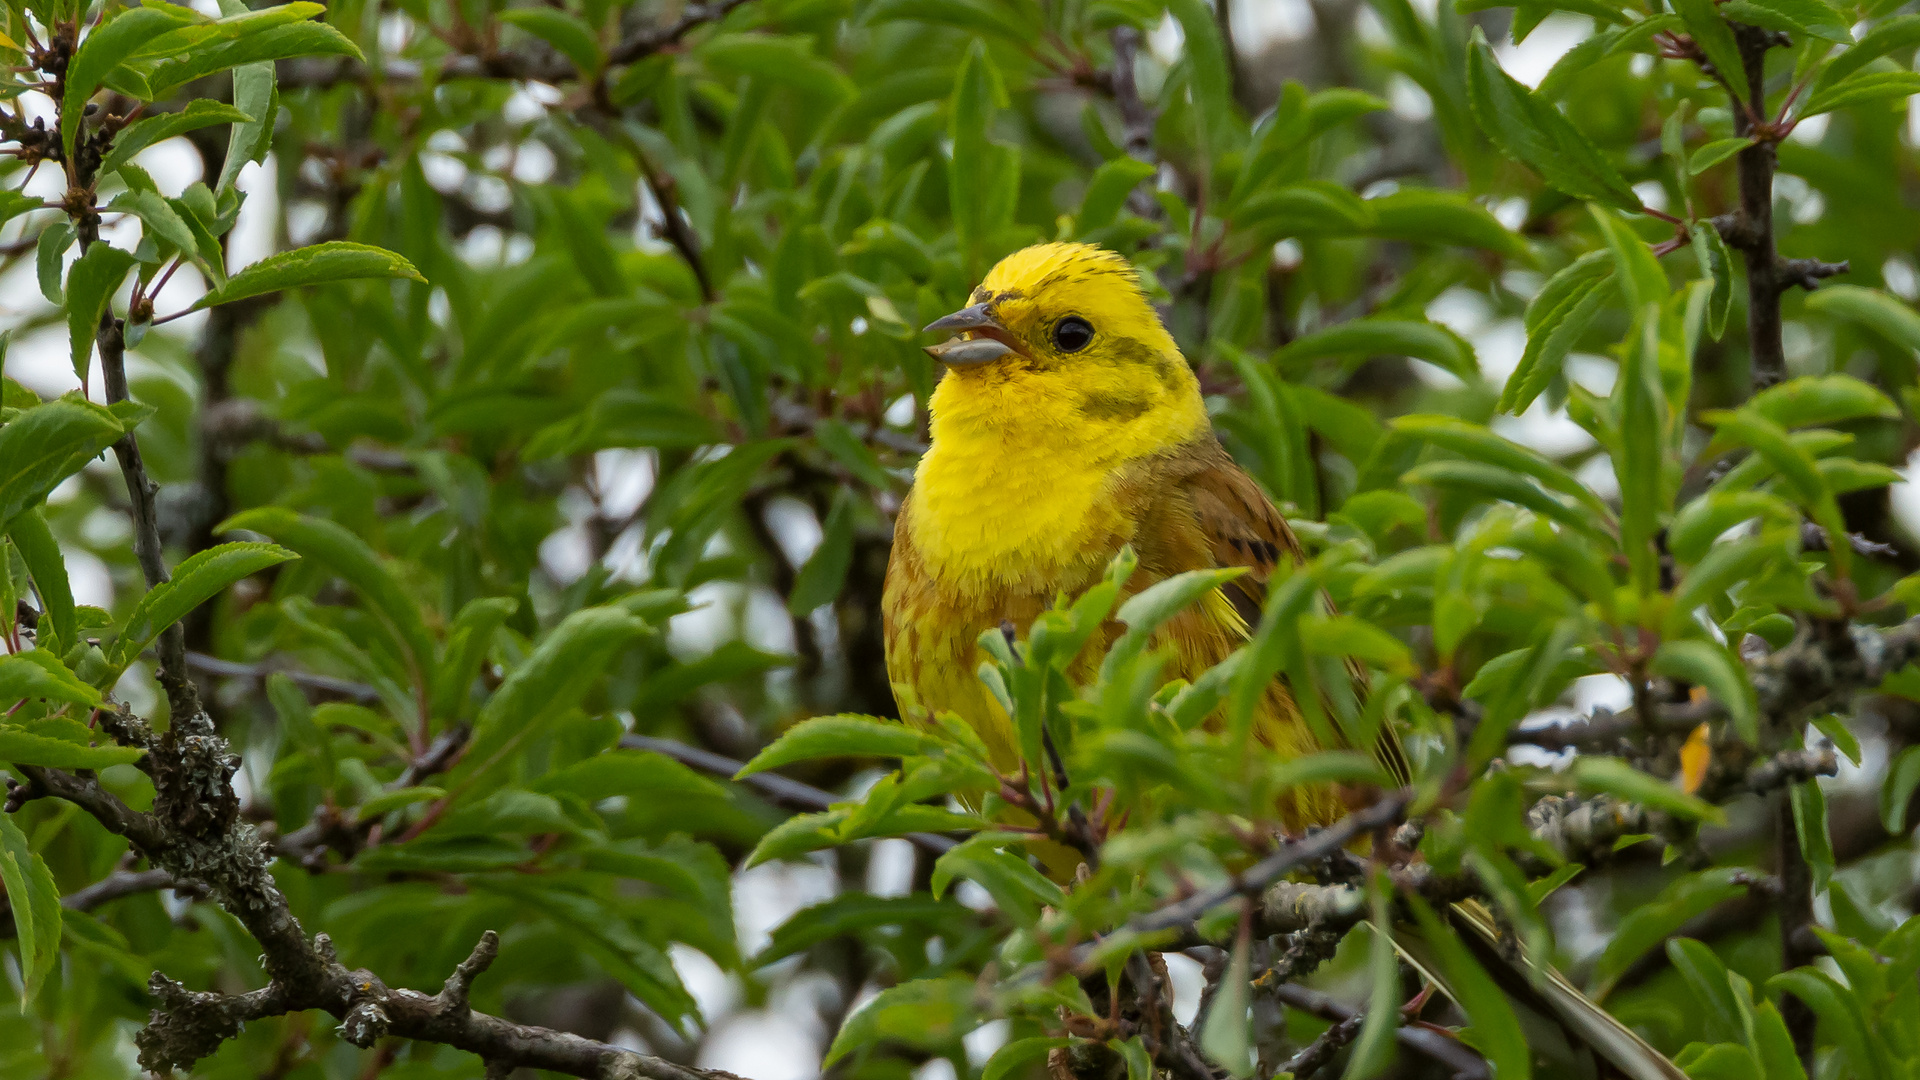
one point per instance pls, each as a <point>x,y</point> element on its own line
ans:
<point>253,234</point>
<point>1530,60</point>
<point>1270,22</point>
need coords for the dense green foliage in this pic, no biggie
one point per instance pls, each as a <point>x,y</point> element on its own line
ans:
<point>575,393</point>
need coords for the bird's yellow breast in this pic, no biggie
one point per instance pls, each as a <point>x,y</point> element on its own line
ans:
<point>1017,492</point>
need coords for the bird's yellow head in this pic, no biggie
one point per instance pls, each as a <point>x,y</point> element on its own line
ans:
<point>1063,334</point>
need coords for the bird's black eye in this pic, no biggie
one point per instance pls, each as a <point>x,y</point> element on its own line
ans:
<point>1072,333</point>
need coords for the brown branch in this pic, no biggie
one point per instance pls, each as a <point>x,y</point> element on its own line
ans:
<point>1321,1050</point>
<point>1460,1059</point>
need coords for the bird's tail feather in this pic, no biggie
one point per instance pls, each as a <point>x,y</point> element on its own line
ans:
<point>1552,1011</point>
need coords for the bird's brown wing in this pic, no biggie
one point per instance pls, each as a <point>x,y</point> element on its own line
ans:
<point>1242,527</point>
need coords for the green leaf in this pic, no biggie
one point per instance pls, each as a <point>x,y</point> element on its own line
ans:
<point>819,582</point>
<point>1708,517</point>
<point>49,257</point>
<point>48,567</point>
<point>1713,154</point>
<point>1209,78</point>
<point>1615,777</point>
<point>1482,445</point>
<point>1496,1029</point>
<point>1716,263</point>
<point>1715,38</point>
<point>204,575</point>
<point>1835,728</point>
<point>976,161</point>
<point>46,444</point>
<point>1556,318</point>
<point>623,772</point>
<point>1421,215</point>
<point>35,900</point>
<point>1645,926</point>
<point>1862,88</point>
<point>468,640</point>
<point>1227,1036</point>
<point>14,203</point>
<point>1884,315</point>
<point>354,560</point>
<point>560,671</point>
<point>1017,1058</point>
<point>1773,1044</point>
<point>1108,190</point>
<point>283,42</point>
<point>1712,666</point>
<point>1528,129</point>
<point>90,286</point>
<point>256,90</point>
<point>1813,17</point>
<point>335,260</point>
<point>1373,1048</point>
<point>1821,401</point>
<point>102,51</point>
<point>1887,36</point>
<point>563,30</point>
<point>38,674</point>
<point>137,136</point>
<point>926,1014</point>
<point>28,748</point>
<point>1497,483</point>
<point>1897,792</point>
<point>1017,888</point>
<point>1810,820</point>
<point>1841,1015</point>
<point>382,804</point>
<point>162,221</point>
<point>1360,338</point>
<point>842,736</point>
<point>1638,272</point>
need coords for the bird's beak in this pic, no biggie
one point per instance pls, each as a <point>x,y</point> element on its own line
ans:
<point>986,343</point>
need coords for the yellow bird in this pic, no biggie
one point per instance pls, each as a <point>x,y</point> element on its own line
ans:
<point>1067,425</point>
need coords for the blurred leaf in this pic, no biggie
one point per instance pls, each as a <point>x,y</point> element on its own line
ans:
<point>1647,925</point>
<point>1378,336</point>
<point>35,901</point>
<point>1712,666</point>
<point>1862,88</point>
<point>1884,315</point>
<point>353,559</point>
<point>1839,1012</point>
<point>819,581</point>
<point>1713,154</point>
<point>559,672</point>
<point>1496,1030</point>
<point>562,30</point>
<point>1615,777</point>
<point>1902,777</point>
<point>842,736</point>
<point>1715,38</point>
<point>335,260</point>
<point>925,1014</point>
<point>1226,1037</point>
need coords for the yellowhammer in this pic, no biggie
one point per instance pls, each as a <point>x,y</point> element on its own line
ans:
<point>1066,426</point>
